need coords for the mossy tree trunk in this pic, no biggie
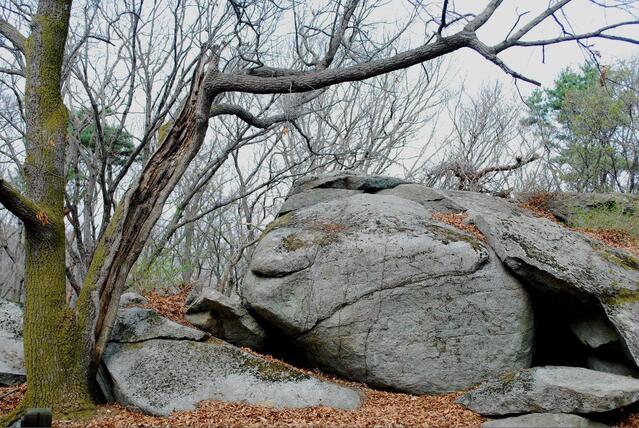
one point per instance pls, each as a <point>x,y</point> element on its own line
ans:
<point>53,347</point>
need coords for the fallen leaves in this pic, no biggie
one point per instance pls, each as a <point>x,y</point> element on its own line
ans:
<point>172,306</point>
<point>42,217</point>
<point>460,221</point>
<point>379,409</point>
<point>537,204</point>
<point>10,396</point>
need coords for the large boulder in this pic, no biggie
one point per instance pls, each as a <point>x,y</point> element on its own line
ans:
<point>552,390</point>
<point>11,351</point>
<point>225,318</point>
<point>158,376</point>
<point>370,287</point>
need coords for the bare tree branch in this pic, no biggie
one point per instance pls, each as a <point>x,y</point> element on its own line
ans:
<point>12,34</point>
<point>22,207</point>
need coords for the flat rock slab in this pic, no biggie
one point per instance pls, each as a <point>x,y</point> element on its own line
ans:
<point>543,420</point>
<point>136,324</point>
<point>552,390</point>
<point>159,376</point>
<point>11,349</point>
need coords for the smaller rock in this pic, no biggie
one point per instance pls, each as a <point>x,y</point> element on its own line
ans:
<point>312,197</point>
<point>610,366</point>
<point>136,324</point>
<point>543,420</point>
<point>225,318</point>
<point>347,181</point>
<point>132,298</point>
<point>11,349</point>
<point>160,376</point>
<point>429,198</point>
<point>552,390</point>
<point>594,331</point>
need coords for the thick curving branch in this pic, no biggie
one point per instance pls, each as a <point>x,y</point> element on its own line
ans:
<point>13,35</point>
<point>23,207</point>
<point>247,116</point>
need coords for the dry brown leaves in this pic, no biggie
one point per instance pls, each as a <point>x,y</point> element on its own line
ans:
<point>380,409</point>
<point>10,396</point>
<point>613,238</point>
<point>538,206</point>
<point>460,221</point>
<point>171,306</point>
<point>631,421</point>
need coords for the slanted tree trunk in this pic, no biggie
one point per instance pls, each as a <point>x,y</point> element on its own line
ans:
<point>135,216</point>
<point>52,347</point>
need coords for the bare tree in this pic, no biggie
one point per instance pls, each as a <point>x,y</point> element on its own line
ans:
<point>335,45</point>
<point>487,144</point>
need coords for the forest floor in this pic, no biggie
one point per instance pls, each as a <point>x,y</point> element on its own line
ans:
<point>380,408</point>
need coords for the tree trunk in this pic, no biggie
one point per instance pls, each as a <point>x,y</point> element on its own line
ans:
<point>57,377</point>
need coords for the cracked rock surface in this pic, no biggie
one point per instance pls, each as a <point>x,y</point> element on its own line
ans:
<point>156,366</point>
<point>225,318</point>
<point>368,286</point>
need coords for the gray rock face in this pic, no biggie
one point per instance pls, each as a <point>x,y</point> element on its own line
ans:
<point>543,420</point>
<point>594,330</point>
<point>553,390</point>
<point>555,259</point>
<point>345,181</point>
<point>225,318</point>
<point>137,324</point>
<point>11,349</point>
<point>159,376</point>
<point>370,287</point>
<point>611,366</point>
<point>314,196</point>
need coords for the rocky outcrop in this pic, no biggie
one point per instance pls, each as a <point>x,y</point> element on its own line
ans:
<point>553,390</point>
<point>225,318</point>
<point>156,365</point>
<point>543,420</point>
<point>11,350</point>
<point>370,287</point>
<point>357,277</point>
